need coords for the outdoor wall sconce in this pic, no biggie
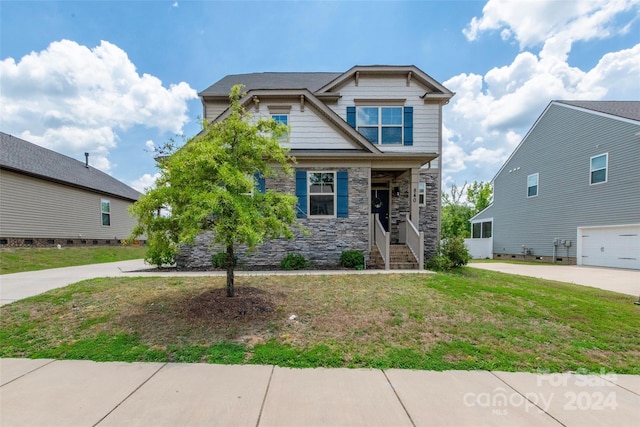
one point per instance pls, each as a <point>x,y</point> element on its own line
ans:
<point>415,195</point>
<point>396,191</point>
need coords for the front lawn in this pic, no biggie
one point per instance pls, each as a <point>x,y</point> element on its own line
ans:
<point>16,260</point>
<point>471,319</point>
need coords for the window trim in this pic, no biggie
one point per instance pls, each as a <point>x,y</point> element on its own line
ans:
<point>380,125</point>
<point>537,185</point>
<point>334,194</point>
<point>103,213</point>
<point>481,223</point>
<point>606,169</point>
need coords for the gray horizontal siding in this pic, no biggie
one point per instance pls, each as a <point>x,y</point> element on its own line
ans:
<point>31,207</point>
<point>559,148</point>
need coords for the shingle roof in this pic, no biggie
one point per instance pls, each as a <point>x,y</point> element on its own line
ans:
<point>624,109</point>
<point>24,157</point>
<point>254,81</point>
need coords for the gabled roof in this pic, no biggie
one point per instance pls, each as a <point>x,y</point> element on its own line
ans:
<point>628,111</point>
<point>256,81</point>
<point>624,109</point>
<point>23,157</point>
<point>323,83</point>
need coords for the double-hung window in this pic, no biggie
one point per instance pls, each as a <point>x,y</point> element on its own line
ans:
<point>380,125</point>
<point>322,194</point>
<point>532,185</point>
<point>599,165</point>
<point>105,209</point>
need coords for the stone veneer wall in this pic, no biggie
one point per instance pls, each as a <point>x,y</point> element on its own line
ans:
<point>429,213</point>
<point>326,240</point>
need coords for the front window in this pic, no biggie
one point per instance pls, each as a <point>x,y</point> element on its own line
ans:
<point>380,125</point>
<point>532,185</point>
<point>105,208</point>
<point>322,194</point>
<point>599,168</point>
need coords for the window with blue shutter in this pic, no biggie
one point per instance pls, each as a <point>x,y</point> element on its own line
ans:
<point>301,193</point>
<point>351,116</point>
<point>408,126</point>
<point>260,182</point>
<point>343,194</point>
<point>383,125</point>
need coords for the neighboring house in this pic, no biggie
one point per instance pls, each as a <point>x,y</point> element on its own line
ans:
<point>367,142</point>
<point>570,192</point>
<point>47,199</point>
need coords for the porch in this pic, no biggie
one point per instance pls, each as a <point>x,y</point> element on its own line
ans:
<point>394,220</point>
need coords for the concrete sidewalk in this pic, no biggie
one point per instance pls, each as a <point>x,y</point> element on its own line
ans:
<point>610,279</point>
<point>82,393</point>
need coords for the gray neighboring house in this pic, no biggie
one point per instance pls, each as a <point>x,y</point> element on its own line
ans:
<point>47,199</point>
<point>367,143</point>
<point>570,192</point>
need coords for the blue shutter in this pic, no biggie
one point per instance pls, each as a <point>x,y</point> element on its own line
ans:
<point>301,193</point>
<point>408,125</point>
<point>261,183</point>
<point>343,194</point>
<point>351,116</point>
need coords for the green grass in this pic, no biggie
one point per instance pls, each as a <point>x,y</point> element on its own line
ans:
<point>469,319</point>
<point>16,260</point>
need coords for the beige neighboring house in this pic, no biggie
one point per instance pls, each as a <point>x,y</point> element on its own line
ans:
<point>48,199</point>
<point>367,143</point>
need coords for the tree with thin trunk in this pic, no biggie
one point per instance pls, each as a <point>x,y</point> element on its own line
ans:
<point>211,184</point>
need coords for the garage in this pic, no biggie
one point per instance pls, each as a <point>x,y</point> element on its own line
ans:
<point>616,246</point>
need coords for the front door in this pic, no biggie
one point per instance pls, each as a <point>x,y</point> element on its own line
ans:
<point>380,205</point>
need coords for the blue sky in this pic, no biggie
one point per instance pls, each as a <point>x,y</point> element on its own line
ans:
<point>115,78</point>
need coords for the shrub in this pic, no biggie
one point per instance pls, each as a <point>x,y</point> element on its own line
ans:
<point>438,263</point>
<point>293,262</point>
<point>352,259</point>
<point>452,254</point>
<point>456,251</point>
<point>219,260</point>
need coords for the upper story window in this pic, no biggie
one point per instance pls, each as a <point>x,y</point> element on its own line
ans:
<point>599,166</point>
<point>532,185</point>
<point>322,194</point>
<point>380,125</point>
<point>105,209</point>
<point>281,118</point>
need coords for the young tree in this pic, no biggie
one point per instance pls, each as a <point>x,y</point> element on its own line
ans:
<point>457,211</point>
<point>209,184</point>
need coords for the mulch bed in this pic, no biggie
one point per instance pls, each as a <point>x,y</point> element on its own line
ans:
<point>248,305</point>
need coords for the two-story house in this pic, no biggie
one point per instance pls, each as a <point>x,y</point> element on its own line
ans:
<point>367,144</point>
<point>570,192</point>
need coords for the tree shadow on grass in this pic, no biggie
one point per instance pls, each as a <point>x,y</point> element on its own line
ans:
<point>206,318</point>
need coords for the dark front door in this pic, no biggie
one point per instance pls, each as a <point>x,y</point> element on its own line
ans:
<point>380,205</point>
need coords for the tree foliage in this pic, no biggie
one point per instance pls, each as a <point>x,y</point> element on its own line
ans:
<point>457,209</point>
<point>209,185</point>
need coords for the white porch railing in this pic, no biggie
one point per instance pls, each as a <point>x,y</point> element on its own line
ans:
<point>415,242</point>
<point>382,239</point>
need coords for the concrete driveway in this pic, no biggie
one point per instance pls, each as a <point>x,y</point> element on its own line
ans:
<point>610,279</point>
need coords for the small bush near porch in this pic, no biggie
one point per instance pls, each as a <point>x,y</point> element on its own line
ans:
<point>470,319</point>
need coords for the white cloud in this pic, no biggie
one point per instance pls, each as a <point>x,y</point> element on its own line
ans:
<point>150,146</point>
<point>552,22</point>
<point>71,98</point>
<point>145,182</point>
<point>491,113</point>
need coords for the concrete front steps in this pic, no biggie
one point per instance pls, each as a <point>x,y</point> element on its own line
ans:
<point>401,258</point>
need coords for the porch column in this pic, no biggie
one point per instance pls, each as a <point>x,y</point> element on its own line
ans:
<point>414,197</point>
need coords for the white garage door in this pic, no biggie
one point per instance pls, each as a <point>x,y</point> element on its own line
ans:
<point>610,246</point>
